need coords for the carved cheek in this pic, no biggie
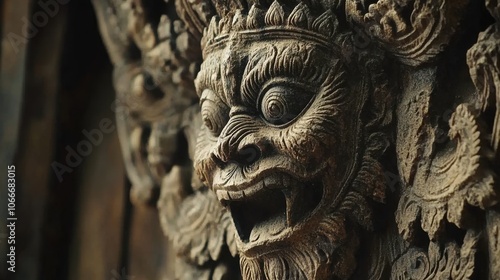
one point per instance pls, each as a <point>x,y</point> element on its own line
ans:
<point>203,164</point>
<point>314,137</point>
<point>307,142</point>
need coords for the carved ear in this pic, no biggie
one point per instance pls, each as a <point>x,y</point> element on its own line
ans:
<point>413,31</point>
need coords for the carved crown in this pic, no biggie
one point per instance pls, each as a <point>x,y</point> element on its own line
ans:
<point>279,21</point>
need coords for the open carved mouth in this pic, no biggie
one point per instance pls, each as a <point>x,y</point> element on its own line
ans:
<point>271,209</point>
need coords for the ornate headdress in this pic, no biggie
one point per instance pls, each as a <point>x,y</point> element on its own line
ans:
<point>306,20</point>
<point>279,21</point>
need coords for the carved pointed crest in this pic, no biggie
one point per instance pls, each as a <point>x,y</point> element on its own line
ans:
<point>280,19</point>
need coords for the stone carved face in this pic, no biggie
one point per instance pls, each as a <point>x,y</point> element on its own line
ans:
<point>279,148</point>
<point>294,130</point>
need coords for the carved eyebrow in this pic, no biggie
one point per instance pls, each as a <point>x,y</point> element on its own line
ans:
<point>289,61</point>
<point>209,78</point>
<point>202,80</point>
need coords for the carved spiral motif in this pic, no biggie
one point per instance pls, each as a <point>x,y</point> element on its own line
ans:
<point>213,112</point>
<point>282,104</point>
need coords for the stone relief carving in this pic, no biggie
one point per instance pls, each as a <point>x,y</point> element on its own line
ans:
<point>265,131</point>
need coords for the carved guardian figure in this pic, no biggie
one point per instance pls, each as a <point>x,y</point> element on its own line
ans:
<point>313,139</point>
<point>286,145</point>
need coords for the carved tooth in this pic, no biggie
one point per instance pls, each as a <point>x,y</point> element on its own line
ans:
<point>326,24</point>
<point>255,189</point>
<point>294,196</point>
<point>255,17</point>
<point>300,16</point>
<point>272,182</point>
<point>236,195</point>
<point>275,15</point>
<point>222,195</point>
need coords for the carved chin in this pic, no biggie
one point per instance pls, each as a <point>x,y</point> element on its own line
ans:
<point>312,256</point>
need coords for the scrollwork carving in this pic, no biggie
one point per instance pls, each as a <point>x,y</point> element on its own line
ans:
<point>413,31</point>
<point>446,183</point>
<point>450,261</point>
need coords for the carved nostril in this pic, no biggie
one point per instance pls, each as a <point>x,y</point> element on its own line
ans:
<point>248,154</point>
<point>216,159</point>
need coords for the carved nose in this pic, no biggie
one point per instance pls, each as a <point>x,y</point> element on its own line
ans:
<point>245,155</point>
<point>238,142</point>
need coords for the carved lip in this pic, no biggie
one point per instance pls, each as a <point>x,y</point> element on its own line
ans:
<point>234,182</point>
<point>271,207</point>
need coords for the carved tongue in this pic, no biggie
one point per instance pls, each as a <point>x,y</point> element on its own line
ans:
<point>261,215</point>
<point>274,226</point>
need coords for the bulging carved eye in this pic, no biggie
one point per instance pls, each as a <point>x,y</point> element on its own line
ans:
<point>213,112</point>
<point>281,104</point>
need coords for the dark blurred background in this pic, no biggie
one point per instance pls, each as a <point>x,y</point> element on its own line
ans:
<point>55,82</point>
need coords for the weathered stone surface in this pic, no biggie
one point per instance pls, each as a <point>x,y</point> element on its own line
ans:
<point>267,130</point>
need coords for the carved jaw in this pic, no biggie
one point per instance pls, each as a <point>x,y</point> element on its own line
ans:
<point>270,209</point>
<point>280,218</point>
<point>292,227</point>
